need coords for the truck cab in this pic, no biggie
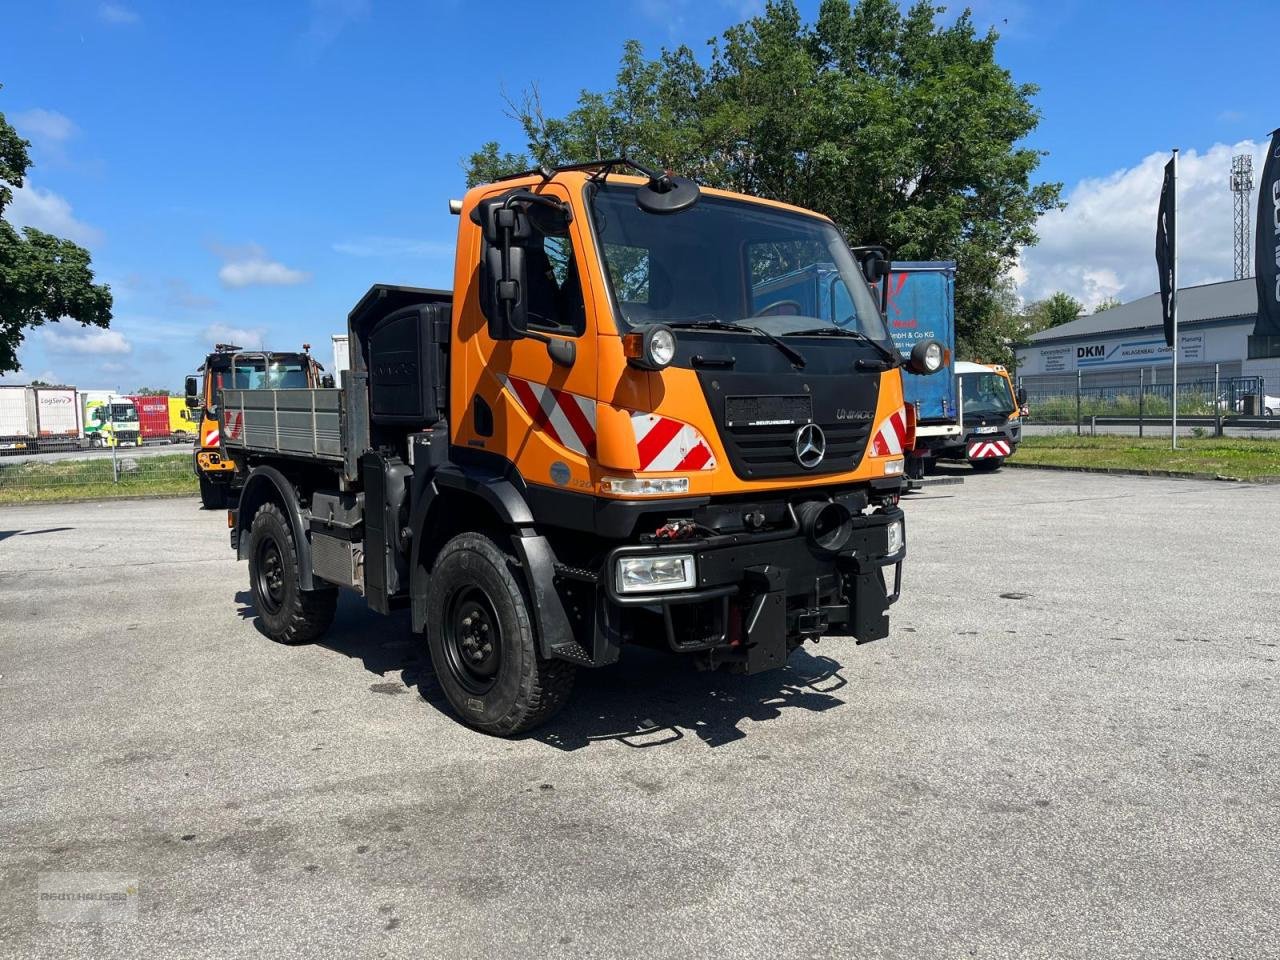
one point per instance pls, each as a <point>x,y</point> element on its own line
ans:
<point>110,420</point>
<point>229,366</point>
<point>621,427</point>
<point>990,415</point>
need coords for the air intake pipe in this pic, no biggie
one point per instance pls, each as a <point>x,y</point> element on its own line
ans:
<point>827,525</point>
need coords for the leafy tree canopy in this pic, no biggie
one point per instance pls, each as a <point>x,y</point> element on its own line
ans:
<point>42,277</point>
<point>1053,311</point>
<point>903,129</point>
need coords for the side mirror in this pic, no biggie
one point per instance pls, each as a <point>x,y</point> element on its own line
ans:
<point>1022,396</point>
<point>508,224</point>
<point>326,382</point>
<point>875,268</point>
<point>193,392</point>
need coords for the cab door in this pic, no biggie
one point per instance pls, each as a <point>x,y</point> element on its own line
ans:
<point>516,401</point>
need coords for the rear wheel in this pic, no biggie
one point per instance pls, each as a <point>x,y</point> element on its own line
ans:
<point>213,496</point>
<point>482,644</point>
<point>987,464</point>
<point>288,613</point>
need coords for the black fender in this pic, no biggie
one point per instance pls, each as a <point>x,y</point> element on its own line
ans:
<point>509,507</point>
<point>268,485</point>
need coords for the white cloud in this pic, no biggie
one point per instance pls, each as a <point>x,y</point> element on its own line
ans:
<point>47,211</point>
<point>115,13</point>
<point>1103,244</point>
<point>44,126</point>
<point>250,266</point>
<point>249,338</point>
<point>90,340</point>
<point>390,247</point>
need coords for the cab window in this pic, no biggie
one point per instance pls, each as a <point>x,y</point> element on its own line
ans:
<point>555,292</point>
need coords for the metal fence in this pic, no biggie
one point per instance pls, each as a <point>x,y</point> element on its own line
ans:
<point>103,474</point>
<point>1217,402</point>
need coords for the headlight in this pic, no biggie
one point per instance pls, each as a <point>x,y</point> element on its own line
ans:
<point>642,487</point>
<point>893,468</point>
<point>652,348</point>
<point>927,357</point>
<point>660,572</point>
<point>893,533</point>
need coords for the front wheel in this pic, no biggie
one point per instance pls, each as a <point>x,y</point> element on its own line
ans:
<point>987,464</point>
<point>288,613</point>
<point>213,496</point>
<point>482,644</point>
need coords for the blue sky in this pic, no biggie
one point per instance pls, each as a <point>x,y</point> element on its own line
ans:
<point>247,170</point>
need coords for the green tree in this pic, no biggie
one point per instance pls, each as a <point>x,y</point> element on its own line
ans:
<point>904,130</point>
<point>42,278</point>
<point>152,392</point>
<point>1108,303</point>
<point>1053,311</point>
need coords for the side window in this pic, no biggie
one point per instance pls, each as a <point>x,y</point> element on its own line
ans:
<point>555,291</point>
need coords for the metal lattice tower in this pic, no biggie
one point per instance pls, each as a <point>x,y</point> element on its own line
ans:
<point>1241,189</point>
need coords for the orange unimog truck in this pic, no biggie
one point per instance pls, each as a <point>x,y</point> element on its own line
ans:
<point>231,366</point>
<point>608,434</point>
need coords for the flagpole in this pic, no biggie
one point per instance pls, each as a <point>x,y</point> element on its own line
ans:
<point>1174,295</point>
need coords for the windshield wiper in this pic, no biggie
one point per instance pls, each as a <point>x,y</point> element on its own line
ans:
<point>709,322</point>
<point>833,331</point>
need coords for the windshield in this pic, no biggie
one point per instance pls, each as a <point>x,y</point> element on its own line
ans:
<point>731,261</point>
<point>254,373</point>
<point>986,393</point>
<point>124,413</point>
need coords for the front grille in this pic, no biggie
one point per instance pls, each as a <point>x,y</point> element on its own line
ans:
<point>758,452</point>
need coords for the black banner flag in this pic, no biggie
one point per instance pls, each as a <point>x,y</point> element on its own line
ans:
<point>1166,234</point>
<point>1267,246</point>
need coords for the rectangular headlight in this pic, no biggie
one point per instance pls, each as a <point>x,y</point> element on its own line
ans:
<point>663,571</point>
<point>894,534</point>
<point>893,468</point>
<point>644,486</point>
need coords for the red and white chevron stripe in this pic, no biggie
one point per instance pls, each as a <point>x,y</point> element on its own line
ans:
<point>981,449</point>
<point>235,424</point>
<point>570,420</point>
<point>891,438</point>
<point>210,438</point>
<point>666,444</point>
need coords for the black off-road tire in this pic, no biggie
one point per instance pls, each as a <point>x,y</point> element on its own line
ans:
<point>213,496</point>
<point>987,464</point>
<point>287,613</point>
<point>481,640</point>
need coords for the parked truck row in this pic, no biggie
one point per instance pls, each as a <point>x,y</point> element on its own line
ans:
<point>36,418</point>
<point>629,423</point>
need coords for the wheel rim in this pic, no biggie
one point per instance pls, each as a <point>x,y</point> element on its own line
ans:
<point>472,640</point>
<point>270,575</point>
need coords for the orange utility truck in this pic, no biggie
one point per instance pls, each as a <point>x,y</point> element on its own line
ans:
<point>231,366</point>
<point>609,433</point>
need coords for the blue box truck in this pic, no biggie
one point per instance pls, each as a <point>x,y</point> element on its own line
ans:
<point>969,411</point>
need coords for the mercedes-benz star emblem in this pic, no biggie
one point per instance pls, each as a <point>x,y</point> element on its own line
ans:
<point>811,445</point>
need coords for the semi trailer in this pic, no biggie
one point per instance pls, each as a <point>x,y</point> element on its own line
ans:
<point>618,428</point>
<point>39,418</point>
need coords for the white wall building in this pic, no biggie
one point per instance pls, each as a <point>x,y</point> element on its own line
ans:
<point>1125,345</point>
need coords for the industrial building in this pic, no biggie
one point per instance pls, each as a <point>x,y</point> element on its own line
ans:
<point>1125,346</point>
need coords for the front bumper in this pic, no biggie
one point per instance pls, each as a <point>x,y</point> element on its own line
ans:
<point>756,596</point>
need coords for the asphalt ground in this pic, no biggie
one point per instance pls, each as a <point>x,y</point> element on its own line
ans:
<point>1068,748</point>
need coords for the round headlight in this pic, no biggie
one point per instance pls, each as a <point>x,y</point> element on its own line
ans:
<point>927,357</point>
<point>660,346</point>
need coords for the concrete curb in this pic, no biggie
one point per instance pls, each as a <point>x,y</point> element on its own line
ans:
<point>1161,474</point>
